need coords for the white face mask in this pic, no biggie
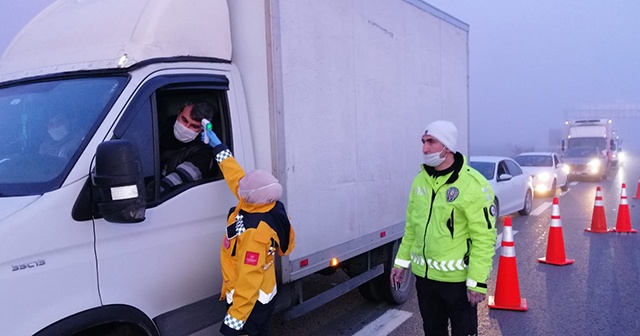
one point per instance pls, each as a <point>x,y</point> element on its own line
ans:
<point>58,133</point>
<point>183,133</point>
<point>434,159</point>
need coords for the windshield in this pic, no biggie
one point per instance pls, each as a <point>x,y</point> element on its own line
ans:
<point>600,142</point>
<point>487,169</point>
<point>534,160</point>
<point>45,125</point>
<point>581,152</point>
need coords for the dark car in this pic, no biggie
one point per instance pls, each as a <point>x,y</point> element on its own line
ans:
<point>586,162</point>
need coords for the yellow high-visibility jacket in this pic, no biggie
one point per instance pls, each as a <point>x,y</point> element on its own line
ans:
<point>255,232</point>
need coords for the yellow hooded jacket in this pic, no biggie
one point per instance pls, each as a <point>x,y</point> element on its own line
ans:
<point>255,232</point>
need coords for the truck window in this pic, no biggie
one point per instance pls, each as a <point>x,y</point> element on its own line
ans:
<point>170,166</point>
<point>45,127</point>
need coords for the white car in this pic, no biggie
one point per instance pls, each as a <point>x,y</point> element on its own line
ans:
<point>548,169</point>
<point>512,187</point>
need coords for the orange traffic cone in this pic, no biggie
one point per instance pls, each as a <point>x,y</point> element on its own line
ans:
<point>637,190</point>
<point>555,244</point>
<point>598,219</point>
<point>623,223</point>
<point>507,287</point>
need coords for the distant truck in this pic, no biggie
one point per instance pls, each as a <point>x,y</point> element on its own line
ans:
<point>592,133</point>
<point>330,96</point>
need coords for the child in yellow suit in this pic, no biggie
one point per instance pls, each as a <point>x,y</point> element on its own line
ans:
<point>257,228</point>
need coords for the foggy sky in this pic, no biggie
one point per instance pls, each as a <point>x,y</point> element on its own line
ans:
<point>530,61</point>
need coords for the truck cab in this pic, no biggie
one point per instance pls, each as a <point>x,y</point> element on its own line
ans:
<point>591,133</point>
<point>87,236</point>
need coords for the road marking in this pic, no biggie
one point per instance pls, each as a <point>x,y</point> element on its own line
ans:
<point>540,209</point>
<point>499,239</point>
<point>385,324</point>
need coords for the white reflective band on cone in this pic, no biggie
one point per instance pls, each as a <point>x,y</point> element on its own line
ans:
<point>508,251</point>
<point>507,234</point>
<point>623,196</point>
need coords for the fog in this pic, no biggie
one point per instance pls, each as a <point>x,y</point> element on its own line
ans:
<point>533,64</point>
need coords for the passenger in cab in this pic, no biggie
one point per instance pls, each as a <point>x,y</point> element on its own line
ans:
<point>61,141</point>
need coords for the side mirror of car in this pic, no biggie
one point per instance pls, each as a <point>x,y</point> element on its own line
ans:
<point>504,177</point>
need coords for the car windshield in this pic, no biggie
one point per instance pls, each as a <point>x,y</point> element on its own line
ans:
<point>534,160</point>
<point>487,169</point>
<point>45,126</point>
<point>580,152</point>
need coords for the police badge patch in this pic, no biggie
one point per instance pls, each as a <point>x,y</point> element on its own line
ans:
<point>452,194</point>
<point>492,210</point>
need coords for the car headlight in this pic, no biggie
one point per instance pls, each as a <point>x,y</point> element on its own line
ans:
<point>544,177</point>
<point>622,156</point>
<point>566,169</point>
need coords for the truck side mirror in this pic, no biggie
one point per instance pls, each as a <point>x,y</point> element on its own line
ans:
<point>563,145</point>
<point>118,179</point>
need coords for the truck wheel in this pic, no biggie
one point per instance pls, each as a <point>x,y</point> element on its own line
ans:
<point>383,282</point>
<point>113,329</point>
<point>405,290</point>
<point>369,291</point>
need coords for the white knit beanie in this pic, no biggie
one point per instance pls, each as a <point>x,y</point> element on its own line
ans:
<point>446,132</point>
<point>259,187</point>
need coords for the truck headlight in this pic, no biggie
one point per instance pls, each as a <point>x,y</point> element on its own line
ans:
<point>622,157</point>
<point>594,166</point>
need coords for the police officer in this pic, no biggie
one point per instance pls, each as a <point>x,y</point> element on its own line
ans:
<point>449,235</point>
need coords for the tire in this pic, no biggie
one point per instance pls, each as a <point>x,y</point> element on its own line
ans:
<point>405,290</point>
<point>528,204</point>
<point>369,291</point>
<point>565,186</point>
<point>380,289</point>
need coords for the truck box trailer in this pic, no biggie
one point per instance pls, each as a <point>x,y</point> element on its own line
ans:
<point>330,96</point>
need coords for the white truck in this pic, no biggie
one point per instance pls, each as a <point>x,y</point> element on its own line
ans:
<point>592,133</point>
<point>331,96</point>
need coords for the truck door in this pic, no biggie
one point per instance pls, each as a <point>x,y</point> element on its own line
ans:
<point>171,259</point>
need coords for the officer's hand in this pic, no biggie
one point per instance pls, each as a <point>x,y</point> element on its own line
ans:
<point>213,138</point>
<point>397,276</point>
<point>475,297</point>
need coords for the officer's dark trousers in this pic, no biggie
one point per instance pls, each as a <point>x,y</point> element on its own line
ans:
<point>443,301</point>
